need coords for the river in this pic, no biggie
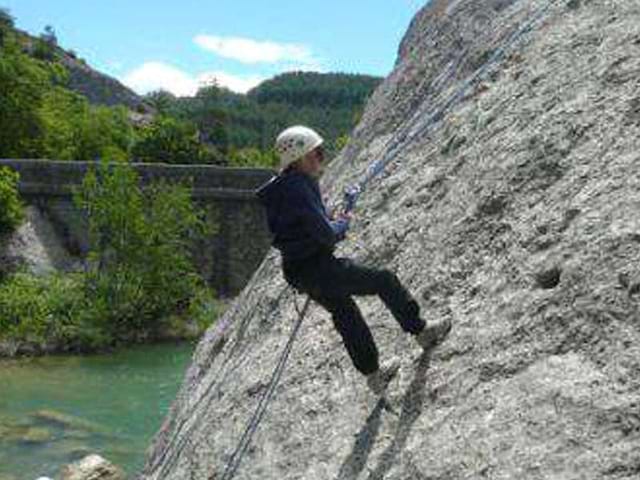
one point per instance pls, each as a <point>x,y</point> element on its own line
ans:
<point>54,410</point>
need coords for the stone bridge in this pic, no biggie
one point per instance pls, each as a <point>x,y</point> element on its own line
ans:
<point>227,258</point>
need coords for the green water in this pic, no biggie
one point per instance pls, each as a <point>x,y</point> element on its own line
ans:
<point>117,400</point>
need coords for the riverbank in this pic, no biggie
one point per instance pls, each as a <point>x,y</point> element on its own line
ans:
<point>175,332</point>
<point>54,314</point>
<point>18,348</point>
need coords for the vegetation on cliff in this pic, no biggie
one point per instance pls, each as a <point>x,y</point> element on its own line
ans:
<point>11,212</point>
<point>43,119</point>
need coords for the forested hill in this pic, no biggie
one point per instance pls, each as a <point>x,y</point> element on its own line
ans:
<point>302,89</point>
<point>331,103</point>
<point>62,108</point>
<point>98,88</point>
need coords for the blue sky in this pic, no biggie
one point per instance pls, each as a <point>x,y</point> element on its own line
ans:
<point>178,44</point>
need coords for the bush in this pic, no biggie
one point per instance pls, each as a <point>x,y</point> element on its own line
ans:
<point>27,80</point>
<point>168,140</point>
<point>140,281</point>
<point>252,157</point>
<point>87,132</point>
<point>45,309</point>
<point>141,270</point>
<point>11,210</point>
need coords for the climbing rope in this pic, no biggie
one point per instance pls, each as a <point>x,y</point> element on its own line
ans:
<point>422,128</point>
<point>414,128</point>
<point>258,414</point>
<point>351,196</point>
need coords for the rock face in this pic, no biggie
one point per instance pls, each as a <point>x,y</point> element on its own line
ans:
<point>35,246</point>
<point>100,89</point>
<point>518,218</point>
<point>92,467</point>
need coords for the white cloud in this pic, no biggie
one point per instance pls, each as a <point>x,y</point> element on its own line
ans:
<point>247,50</point>
<point>152,76</point>
<point>157,75</point>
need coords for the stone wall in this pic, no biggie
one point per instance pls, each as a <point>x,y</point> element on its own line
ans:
<point>227,258</point>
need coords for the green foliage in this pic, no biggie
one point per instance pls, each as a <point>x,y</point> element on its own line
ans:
<point>44,51</point>
<point>6,24</point>
<point>46,44</point>
<point>141,270</point>
<point>342,141</point>
<point>162,101</point>
<point>11,211</point>
<point>252,157</point>
<point>139,282</point>
<point>87,132</point>
<point>28,80</point>
<point>204,308</point>
<point>239,124</point>
<point>6,19</point>
<point>304,89</point>
<point>37,309</point>
<point>49,35</point>
<point>169,140</point>
<point>42,119</point>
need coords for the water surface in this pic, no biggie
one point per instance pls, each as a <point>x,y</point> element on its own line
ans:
<point>53,410</point>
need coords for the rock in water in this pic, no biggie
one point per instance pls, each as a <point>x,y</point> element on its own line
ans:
<point>516,217</point>
<point>92,467</point>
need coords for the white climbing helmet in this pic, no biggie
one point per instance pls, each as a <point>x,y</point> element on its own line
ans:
<point>294,143</point>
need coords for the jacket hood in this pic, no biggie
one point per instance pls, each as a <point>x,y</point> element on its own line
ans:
<point>271,192</point>
<point>267,191</point>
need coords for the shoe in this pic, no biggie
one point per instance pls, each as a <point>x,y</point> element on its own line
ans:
<point>434,334</point>
<point>379,380</point>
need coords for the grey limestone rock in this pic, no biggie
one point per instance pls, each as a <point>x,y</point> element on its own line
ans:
<point>518,217</point>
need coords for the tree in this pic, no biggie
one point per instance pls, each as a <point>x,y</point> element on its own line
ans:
<point>11,212</point>
<point>6,19</point>
<point>75,130</point>
<point>140,266</point>
<point>6,24</point>
<point>46,44</point>
<point>162,100</point>
<point>21,127</point>
<point>253,157</point>
<point>169,140</point>
<point>49,36</point>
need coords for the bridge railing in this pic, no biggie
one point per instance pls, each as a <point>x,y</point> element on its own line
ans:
<point>59,177</point>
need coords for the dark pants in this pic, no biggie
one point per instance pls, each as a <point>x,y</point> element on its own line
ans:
<point>331,281</point>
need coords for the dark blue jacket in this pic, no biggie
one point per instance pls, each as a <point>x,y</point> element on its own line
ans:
<point>297,216</point>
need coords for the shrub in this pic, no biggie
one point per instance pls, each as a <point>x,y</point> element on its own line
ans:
<point>11,210</point>
<point>141,270</point>
<point>140,280</point>
<point>168,140</point>
<point>41,309</point>
<point>252,157</point>
<point>87,132</point>
<point>27,80</point>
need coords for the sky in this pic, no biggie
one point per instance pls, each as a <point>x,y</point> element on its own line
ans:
<point>179,45</point>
